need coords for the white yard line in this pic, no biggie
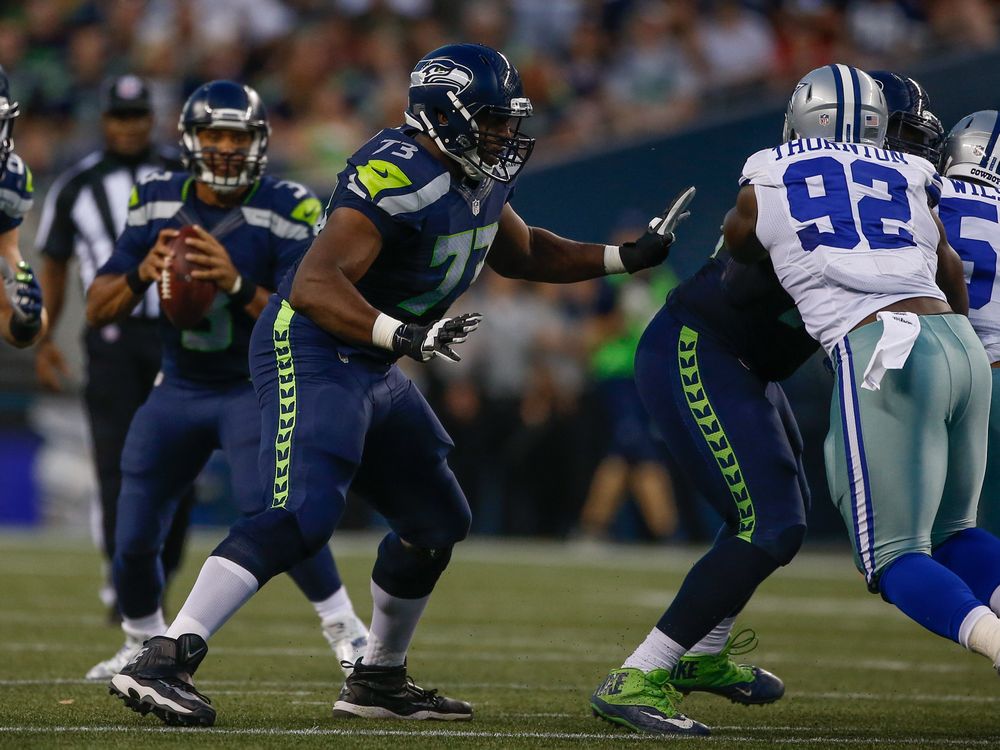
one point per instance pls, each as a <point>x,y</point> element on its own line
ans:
<point>615,737</point>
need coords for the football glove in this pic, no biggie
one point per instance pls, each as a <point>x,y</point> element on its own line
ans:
<point>423,343</point>
<point>25,296</point>
<point>652,248</point>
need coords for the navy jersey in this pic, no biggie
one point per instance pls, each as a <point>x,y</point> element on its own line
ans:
<point>744,307</point>
<point>265,236</point>
<point>436,230</point>
<point>15,193</point>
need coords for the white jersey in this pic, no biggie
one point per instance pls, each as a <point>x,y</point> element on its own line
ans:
<point>848,229</point>
<point>969,213</point>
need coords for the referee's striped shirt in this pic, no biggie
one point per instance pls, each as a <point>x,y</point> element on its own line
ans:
<point>86,208</point>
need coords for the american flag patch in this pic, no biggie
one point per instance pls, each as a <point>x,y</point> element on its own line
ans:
<point>871,121</point>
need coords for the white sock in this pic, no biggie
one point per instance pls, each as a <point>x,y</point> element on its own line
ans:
<point>714,642</point>
<point>335,606</point>
<point>995,602</point>
<point>221,589</point>
<point>394,621</point>
<point>656,652</point>
<point>142,628</point>
<point>984,635</point>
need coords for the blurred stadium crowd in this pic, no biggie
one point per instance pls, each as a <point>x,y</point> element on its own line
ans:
<point>535,408</point>
<point>330,70</point>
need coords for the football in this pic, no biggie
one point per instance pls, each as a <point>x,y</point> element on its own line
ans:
<point>185,300</point>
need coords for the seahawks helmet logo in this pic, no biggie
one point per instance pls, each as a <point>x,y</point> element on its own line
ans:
<point>442,72</point>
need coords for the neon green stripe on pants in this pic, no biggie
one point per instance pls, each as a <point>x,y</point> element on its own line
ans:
<point>711,429</point>
<point>286,405</point>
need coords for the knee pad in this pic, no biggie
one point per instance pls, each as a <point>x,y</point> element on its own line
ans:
<point>783,547</point>
<point>266,544</point>
<point>407,571</point>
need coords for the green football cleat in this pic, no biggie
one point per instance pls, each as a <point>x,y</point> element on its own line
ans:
<point>719,674</point>
<point>643,702</point>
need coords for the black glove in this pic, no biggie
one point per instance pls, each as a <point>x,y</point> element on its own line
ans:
<point>25,296</point>
<point>423,343</point>
<point>652,248</point>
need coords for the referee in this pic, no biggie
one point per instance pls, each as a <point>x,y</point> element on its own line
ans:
<point>84,212</point>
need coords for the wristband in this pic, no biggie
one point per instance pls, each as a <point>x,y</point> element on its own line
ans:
<point>135,282</point>
<point>383,330</point>
<point>613,260</point>
<point>242,294</point>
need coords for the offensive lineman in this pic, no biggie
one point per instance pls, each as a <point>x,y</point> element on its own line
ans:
<point>409,226</point>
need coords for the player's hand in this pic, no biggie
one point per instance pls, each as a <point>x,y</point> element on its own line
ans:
<point>50,366</point>
<point>423,343</point>
<point>25,298</point>
<point>158,257</point>
<point>207,251</point>
<point>653,247</point>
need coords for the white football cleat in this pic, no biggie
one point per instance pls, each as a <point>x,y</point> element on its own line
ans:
<point>348,637</point>
<point>105,670</point>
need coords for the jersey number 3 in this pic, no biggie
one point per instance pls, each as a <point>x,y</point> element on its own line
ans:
<point>818,193</point>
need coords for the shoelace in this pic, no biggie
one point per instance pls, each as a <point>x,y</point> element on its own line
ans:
<point>737,647</point>
<point>430,695</point>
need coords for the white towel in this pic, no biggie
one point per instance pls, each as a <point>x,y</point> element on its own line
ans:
<point>899,333</point>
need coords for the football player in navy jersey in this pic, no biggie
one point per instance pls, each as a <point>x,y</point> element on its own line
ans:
<point>22,317</point>
<point>416,213</point>
<point>251,229</point>
<point>707,368</point>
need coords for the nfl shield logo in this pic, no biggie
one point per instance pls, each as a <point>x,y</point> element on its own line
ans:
<point>475,207</point>
<point>824,119</point>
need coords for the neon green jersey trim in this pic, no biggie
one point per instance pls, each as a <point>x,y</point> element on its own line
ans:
<point>308,211</point>
<point>378,175</point>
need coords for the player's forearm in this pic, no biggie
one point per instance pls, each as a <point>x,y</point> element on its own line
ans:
<point>553,259</point>
<point>110,298</point>
<point>53,282</point>
<point>334,304</point>
<point>257,304</point>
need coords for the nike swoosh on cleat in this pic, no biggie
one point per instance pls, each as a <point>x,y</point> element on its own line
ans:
<point>686,724</point>
<point>747,691</point>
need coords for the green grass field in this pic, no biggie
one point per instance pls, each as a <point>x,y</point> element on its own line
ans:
<point>523,630</point>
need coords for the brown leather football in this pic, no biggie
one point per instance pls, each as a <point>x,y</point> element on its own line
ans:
<point>185,300</point>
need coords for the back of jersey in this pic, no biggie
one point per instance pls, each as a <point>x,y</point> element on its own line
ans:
<point>971,217</point>
<point>848,228</point>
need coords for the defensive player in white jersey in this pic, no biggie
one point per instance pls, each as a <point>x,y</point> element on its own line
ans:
<point>970,212</point>
<point>850,231</point>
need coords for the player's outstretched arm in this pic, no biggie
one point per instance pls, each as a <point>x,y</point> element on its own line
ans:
<point>23,319</point>
<point>536,254</point>
<point>740,228</point>
<point>112,296</point>
<point>951,274</point>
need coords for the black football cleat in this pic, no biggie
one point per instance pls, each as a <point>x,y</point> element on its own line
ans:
<point>389,693</point>
<point>158,680</point>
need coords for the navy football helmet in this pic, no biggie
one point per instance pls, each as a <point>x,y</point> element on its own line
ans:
<point>913,128</point>
<point>469,99</point>
<point>8,111</point>
<point>224,105</point>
